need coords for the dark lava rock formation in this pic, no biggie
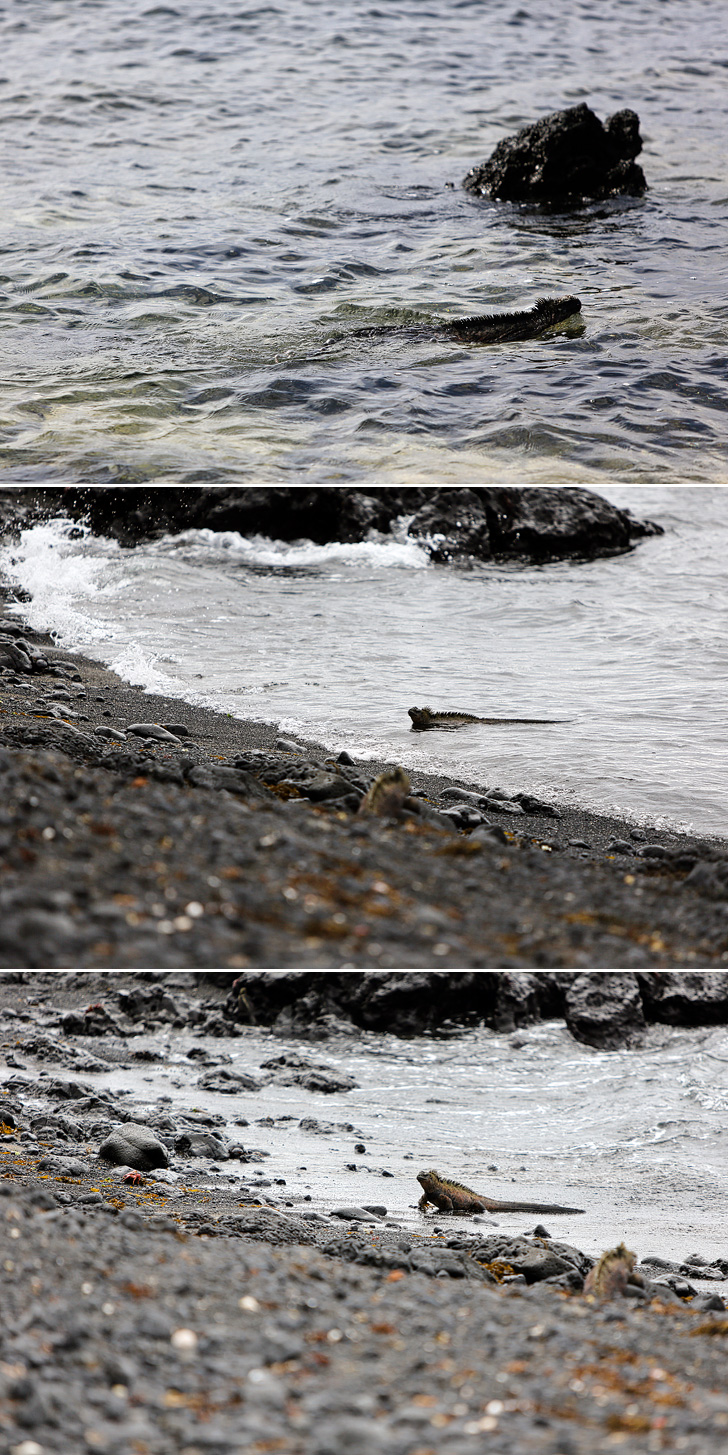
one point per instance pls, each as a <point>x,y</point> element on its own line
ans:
<point>489,522</point>
<point>564,160</point>
<point>606,1010</point>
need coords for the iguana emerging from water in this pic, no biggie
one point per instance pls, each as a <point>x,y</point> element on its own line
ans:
<point>424,717</point>
<point>449,1196</point>
<point>486,328</point>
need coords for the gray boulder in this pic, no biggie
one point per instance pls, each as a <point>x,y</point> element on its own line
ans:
<point>201,1144</point>
<point>605,1010</point>
<point>134,1146</point>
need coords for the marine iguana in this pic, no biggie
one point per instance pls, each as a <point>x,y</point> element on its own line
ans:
<point>486,328</point>
<point>449,1196</point>
<point>425,717</point>
<point>386,794</point>
<point>613,1271</point>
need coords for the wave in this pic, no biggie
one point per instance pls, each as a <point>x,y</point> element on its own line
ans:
<point>60,565</point>
<point>230,545</point>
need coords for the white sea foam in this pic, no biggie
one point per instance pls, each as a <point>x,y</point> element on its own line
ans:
<point>63,568</point>
<point>377,551</point>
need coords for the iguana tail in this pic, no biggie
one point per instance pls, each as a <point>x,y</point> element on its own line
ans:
<point>538,1207</point>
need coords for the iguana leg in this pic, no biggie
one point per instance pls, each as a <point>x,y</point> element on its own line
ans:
<point>422,1204</point>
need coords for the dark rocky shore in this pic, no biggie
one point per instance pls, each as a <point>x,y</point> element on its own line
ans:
<point>608,1011</point>
<point>138,831</point>
<point>174,1311</point>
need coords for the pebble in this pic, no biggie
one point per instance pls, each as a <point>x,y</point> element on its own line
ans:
<point>152,730</point>
<point>113,734</point>
<point>355,1215</point>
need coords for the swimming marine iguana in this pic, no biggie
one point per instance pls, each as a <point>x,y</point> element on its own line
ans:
<point>486,328</point>
<point>425,717</point>
<point>449,1196</point>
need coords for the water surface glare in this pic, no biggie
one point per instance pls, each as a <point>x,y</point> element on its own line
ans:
<point>200,204</point>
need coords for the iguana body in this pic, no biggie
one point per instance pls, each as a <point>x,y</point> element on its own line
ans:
<point>611,1274</point>
<point>486,328</point>
<point>425,717</point>
<point>448,1196</point>
<point>387,794</point>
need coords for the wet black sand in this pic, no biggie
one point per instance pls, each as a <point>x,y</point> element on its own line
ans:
<point>186,1318</point>
<point>107,845</point>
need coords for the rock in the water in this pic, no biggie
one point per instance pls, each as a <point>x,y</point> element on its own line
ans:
<point>451,525</point>
<point>605,1010</point>
<point>565,159</point>
<point>134,1146</point>
<point>228,1082</point>
<point>686,1000</point>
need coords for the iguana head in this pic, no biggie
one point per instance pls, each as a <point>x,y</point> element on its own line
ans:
<point>431,1176</point>
<point>420,716</point>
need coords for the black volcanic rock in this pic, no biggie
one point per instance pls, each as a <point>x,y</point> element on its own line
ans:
<point>485,522</point>
<point>547,523</point>
<point>455,524</point>
<point>565,159</point>
<point>692,999</point>
<point>605,1010</point>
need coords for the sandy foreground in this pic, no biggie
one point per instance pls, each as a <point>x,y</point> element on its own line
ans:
<point>193,853</point>
<point>193,1311</point>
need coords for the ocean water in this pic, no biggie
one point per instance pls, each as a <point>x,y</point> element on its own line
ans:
<point>197,199</point>
<point>635,1138</point>
<point>335,642</point>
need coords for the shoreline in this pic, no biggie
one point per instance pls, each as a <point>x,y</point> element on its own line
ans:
<point>523,896</point>
<point>236,1299</point>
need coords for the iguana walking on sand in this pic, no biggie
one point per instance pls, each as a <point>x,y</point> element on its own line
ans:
<point>425,717</point>
<point>449,1196</point>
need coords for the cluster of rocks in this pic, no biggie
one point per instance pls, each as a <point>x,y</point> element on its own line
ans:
<point>484,523</point>
<point>608,1010</point>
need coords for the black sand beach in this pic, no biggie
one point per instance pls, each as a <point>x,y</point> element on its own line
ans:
<point>186,1312</point>
<point>197,853</point>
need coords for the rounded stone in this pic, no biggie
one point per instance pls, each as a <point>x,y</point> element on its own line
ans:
<point>134,1146</point>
